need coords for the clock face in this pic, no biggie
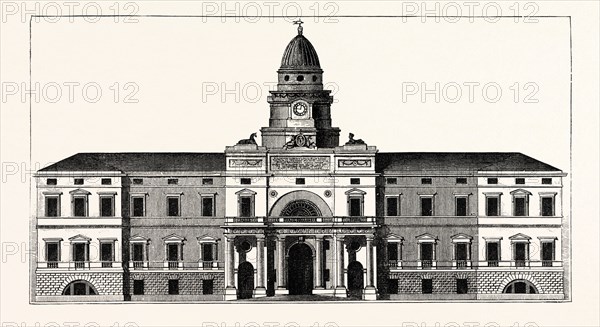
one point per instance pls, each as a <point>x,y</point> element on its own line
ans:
<point>300,108</point>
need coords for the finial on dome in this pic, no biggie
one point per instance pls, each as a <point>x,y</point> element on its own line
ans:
<point>299,22</point>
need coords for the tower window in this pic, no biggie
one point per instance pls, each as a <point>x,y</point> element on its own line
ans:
<point>300,78</point>
<point>286,78</point>
<point>314,78</point>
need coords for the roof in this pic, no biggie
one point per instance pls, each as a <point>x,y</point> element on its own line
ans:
<point>385,162</point>
<point>458,161</point>
<point>300,53</point>
<point>140,162</point>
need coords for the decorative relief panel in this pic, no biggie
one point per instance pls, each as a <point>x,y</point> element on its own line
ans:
<point>234,163</point>
<point>299,163</point>
<point>354,163</point>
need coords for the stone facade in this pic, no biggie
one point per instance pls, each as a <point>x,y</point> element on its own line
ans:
<point>190,283</point>
<point>105,283</point>
<point>546,282</point>
<point>443,282</point>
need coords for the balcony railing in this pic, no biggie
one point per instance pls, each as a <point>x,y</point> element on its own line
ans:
<point>468,264</point>
<point>176,265</point>
<point>301,220</point>
<point>78,265</point>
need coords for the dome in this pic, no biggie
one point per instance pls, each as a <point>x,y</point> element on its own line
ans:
<point>300,54</point>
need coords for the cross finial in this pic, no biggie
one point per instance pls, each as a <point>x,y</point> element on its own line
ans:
<point>299,22</point>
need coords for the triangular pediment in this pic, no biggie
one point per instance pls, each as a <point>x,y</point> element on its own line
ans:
<point>206,239</point>
<point>138,238</point>
<point>426,237</point>
<point>79,238</point>
<point>173,238</point>
<point>80,191</point>
<point>245,192</point>
<point>394,237</point>
<point>519,236</point>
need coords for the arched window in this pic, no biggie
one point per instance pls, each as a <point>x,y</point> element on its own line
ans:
<point>300,208</point>
<point>520,287</point>
<point>79,287</point>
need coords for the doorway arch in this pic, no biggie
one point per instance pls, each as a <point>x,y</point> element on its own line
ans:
<point>245,280</point>
<point>300,269</point>
<point>355,279</point>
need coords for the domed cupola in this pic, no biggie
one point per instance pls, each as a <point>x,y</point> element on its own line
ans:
<point>300,54</point>
<point>300,67</point>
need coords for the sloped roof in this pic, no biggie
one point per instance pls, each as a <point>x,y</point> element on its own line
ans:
<point>140,162</point>
<point>458,161</point>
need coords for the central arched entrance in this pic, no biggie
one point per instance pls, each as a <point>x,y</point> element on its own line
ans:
<point>300,270</point>
<point>355,279</point>
<point>245,280</point>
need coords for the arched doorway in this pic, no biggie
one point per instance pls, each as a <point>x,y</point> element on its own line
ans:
<point>79,287</point>
<point>245,280</point>
<point>300,270</point>
<point>355,279</point>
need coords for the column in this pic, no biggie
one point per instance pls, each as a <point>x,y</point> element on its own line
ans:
<point>370,293</point>
<point>340,289</point>
<point>280,248</point>
<point>230,291</point>
<point>260,290</point>
<point>319,262</point>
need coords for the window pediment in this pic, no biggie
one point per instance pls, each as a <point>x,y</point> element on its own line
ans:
<point>138,239</point>
<point>520,237</point>
<point>245,192</point>
<point>206,239</point>
<point>173,238</point>
<point>79,191</point>
<point>426,238</point>
<point>355,191</point>
<point>80,238</point>
<point>520,192</point>
<point>394,238</point>
<point>461,238</point>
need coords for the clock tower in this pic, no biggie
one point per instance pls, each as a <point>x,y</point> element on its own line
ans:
<point>300,107</point>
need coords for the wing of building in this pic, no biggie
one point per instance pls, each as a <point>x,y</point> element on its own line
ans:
<point>299,214</point>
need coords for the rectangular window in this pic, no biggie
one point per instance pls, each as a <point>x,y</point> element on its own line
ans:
<point>461,206</point>
<point>79,206</point>
<point>547,181</point>
<point>52,206</point>
<point>173,206</point>
<point>392,251</point>
<point>207,207</point>
<point>327,275</point>
<point>245,206</point>
<point>207,181</point>
<point>492,206</point>
<point>207,286</point>
<point>426,206</point>
<point>78,181</point>
<point>520,203</point>
<point>462,286</point>
<point>492,180</point>
<point>355,207</point>
<point>173,286</point>
<point>326,245</point>
<point>172,181</point>
<point>461,251</point>
<point>51,181</point>
<point>207,252</point>
<point>300,181</point>
<point>461,180</point>
<point>138,181</point>
<point>172,252</point>
<point>106,181</point>
<point>106,206</point>
<point>79,252</point>
<point>427,286</point>
<point>52,252</point>
<point>391,181</point>
<point>520,253</point>
<point>547,206</point>
<point>392,286</point>
<point>138,206</point>
<point>138,287</point>
<point>426,181</point>
<point>138,252</point>
<point>245,181</point>
<point>492,253</point>
<point>426,251</point>
<point>107,253</point>
<point>547,254</point>
<point>391,206</point>
<point>355,181</point>
<point>520,181</point>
